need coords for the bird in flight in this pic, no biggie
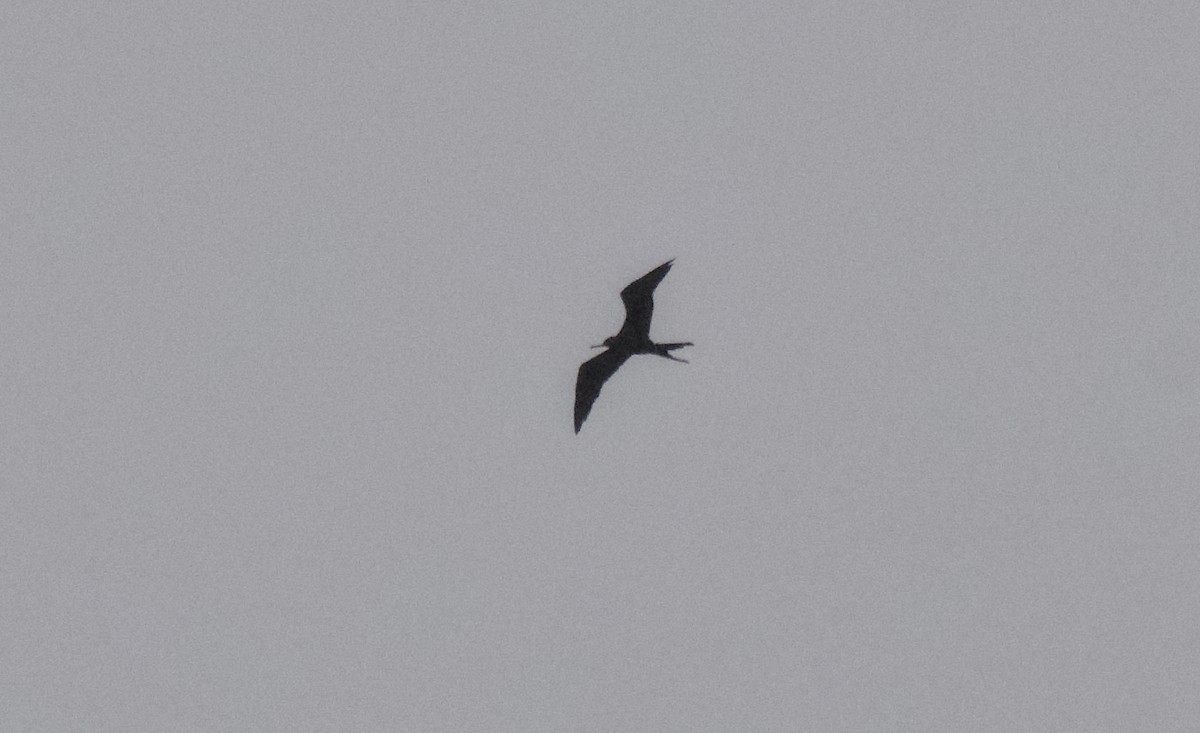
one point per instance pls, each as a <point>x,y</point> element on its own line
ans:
<point>633,338</point>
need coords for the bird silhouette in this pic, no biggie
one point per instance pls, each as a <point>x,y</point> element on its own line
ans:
<point>633,338</point>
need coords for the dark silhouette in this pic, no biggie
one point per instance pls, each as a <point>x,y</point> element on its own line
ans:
<point>633,338</point>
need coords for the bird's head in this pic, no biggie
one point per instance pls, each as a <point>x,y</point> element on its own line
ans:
<point>608,342</point>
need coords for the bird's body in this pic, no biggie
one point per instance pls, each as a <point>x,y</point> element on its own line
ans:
<point>633,338</point>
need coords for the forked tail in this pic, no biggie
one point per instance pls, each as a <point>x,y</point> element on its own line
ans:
<point>666,349</point>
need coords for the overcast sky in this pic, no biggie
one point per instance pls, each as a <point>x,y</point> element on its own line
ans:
<point>292,298</point>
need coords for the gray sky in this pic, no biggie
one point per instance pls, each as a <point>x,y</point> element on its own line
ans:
<point>293,297</point>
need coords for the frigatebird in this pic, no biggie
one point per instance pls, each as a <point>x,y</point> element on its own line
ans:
<point>633,338</point>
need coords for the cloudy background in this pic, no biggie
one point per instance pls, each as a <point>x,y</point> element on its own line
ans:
<point>292,296</point>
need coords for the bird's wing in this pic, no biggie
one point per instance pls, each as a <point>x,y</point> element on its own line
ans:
<point>592,375</point>
<point>638,297</point>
